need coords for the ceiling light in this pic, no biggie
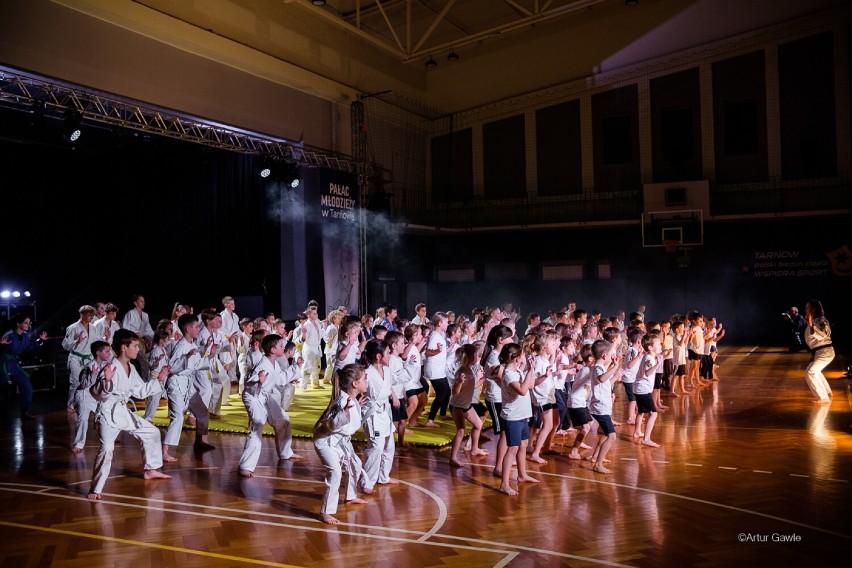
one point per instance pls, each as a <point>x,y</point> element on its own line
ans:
<point>431,63</point>
<point>16,294</point>
<point>71,128</point>
<point>453,56</point>
<point>5,294</point>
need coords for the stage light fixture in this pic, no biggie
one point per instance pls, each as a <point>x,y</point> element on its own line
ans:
<point>16,294</point>
<point>27,293</point>
<point>5,294</point>
<point>431,63</point>
<point>453,56</point>
<point>290,174</point>
<point>71,128</point>
<point>267,167</point>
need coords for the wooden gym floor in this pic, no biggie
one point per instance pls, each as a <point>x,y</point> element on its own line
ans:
<point>749,472</point>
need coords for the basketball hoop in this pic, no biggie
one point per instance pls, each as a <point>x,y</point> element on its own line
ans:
<point>671,245</point>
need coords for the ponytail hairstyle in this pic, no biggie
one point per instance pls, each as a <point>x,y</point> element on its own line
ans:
<point>373,350</point>
<point>343,380</point>
<point>510,352</point>
<point>467,355</point>
<point>497,333</point>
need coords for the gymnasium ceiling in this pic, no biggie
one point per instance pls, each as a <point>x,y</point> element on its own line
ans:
<point>505,47</point>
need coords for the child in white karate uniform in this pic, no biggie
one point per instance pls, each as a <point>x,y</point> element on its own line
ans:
<point>333,439</point>
<point>114,417</point>
<point>376,418</point>
<point>186,363</point>
<point>263,408</point>
<point>83,401</point>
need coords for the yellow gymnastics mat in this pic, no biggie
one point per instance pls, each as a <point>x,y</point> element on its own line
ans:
<point>306,408</point>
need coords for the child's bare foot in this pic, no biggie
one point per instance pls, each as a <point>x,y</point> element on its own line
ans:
<point>94,496</point>
<point>368,490</point>
<point>169,459</point>
<point>528,479</point>
<point>203,446</point>
<point>154,474</point>
<point>601,469</point>
<point>561,433</point>
<point>76,450</point>
<point>508,490</point>
<point>467,446</point>
<point>584,446</point>
<point>390,481</point>
<point>650,444</point>
<point>536,459</point>
<point>575,456</point>
<point>496,473</point>
<point>431,424</point>
<point>638,434</point>
<point>663,407</point>
<point>329,520</point>
<point>479,452</point>
<point>456,463</point>
<point>246,473</point>
<point>293,457</point>
<point>356,501</point>
<point>190,421</point>
<point>632,421</point>
<point>614,423</point>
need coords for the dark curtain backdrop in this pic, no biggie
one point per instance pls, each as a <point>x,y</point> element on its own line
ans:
<point>121,213</point>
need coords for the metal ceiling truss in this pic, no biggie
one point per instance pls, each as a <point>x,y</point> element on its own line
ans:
<point>26,93</point>
<point>409,49</point>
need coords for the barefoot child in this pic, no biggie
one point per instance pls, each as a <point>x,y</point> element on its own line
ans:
<point>651,363</point>
<point>604,373</point>
<point>578,409</point>
<point>123,381</point>
<point>516,412</point>
<point>332,439</point>
<point>396,345</point>
<point>376,418</point>
<point>262,407</point>
<point>468,376</point>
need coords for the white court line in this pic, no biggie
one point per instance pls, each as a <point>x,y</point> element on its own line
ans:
<point>798,475</point>
<point>756,347</point>
<point>509,557</point>
<point>442,510</point>
<point>501,546</point>
<point>694,464</point>
<point>728,468</point>
<point>655,461</point>
<point>630,459</point>
<point>761,471</point>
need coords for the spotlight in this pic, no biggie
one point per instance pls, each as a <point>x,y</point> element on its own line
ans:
<point>71,128</point>
<point>5,294</point>
<point>290,174</point>
<point>27,293</point>
<point>431,63</point>
<point>453,56</point>
<point>267,167</point>
<point>16,294</point>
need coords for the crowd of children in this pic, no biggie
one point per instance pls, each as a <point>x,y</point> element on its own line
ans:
<point>555,379</point>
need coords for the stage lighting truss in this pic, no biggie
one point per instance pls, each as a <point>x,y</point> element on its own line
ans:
<point>22,91</point>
